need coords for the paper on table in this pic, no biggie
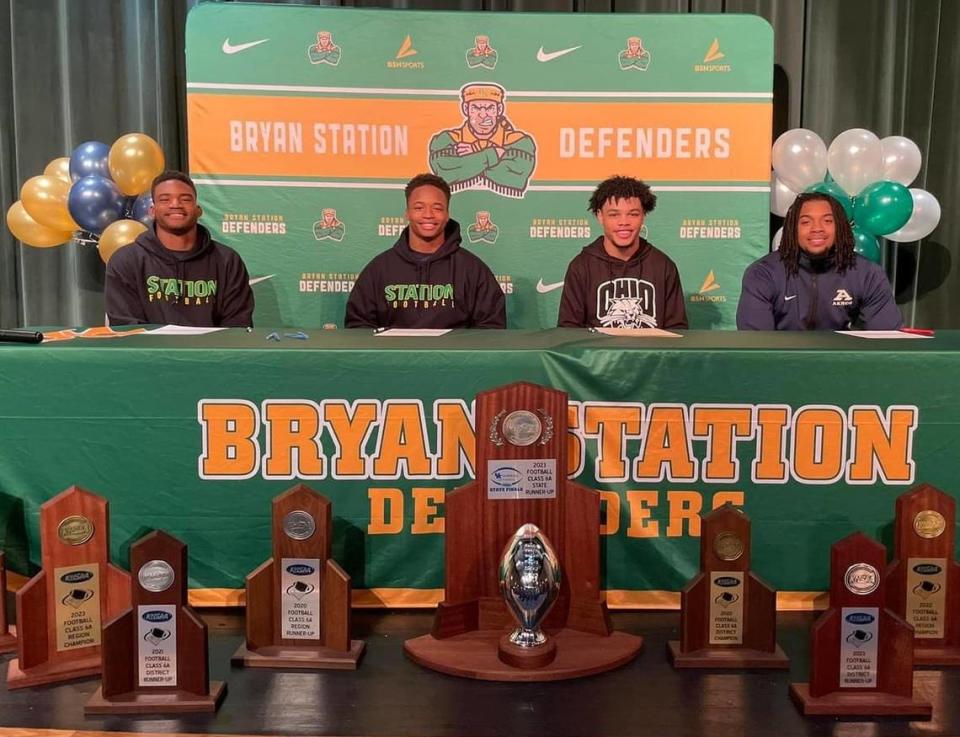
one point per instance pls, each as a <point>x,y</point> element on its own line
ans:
<point>639,332</point>
<point>882,334</point>
<point>182,330</point>
<point>414,332</point>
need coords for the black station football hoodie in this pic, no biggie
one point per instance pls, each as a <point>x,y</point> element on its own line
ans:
<point>602,291</point>
<point>207,286</point>
<point>450,288</point>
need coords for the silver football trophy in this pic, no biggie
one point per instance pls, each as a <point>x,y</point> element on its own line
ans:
<point>530,583</point>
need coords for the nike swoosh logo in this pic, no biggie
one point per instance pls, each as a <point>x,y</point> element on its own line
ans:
<point>544,288</point>
<point>258,279</point>
<point>787,299</point>
<point>228,48</point>
<point>544,56</point>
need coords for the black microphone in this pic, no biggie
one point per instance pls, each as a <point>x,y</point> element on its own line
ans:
<point>20,336</point>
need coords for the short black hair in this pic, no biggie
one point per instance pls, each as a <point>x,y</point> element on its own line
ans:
<point>169,175</point>
<point>422,180</point>
<point>622,188</point>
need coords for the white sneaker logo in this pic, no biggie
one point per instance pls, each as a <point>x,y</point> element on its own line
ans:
<point>787,299</point>
<point>228,48</point>
<point>544,56</point>
<point>544,288</point>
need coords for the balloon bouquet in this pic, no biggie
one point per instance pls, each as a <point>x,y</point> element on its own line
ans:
<point>99,194</point>
<point>866,175</point>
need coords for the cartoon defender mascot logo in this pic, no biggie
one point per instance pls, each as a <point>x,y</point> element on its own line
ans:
<point>486,151</point>
<point>634,57</point>
<point>483,229</point>
<point>482,55</point>
<point>324,51</point>
<point>329,227</point>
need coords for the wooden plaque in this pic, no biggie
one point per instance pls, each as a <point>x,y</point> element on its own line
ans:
<point>923,581</point>
<point>8,633</point>
<point>521,477</point>
<point>861,653</point>
<point>61,610</point>
<point>728,615</point>
<point>155,656</point>
<point>298,601</point>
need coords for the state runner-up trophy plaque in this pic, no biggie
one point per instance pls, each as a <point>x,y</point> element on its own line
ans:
<point>861,653</point>
<point>728,616</point>
<point>155,658</point>
<point>8,633</point>
<point>61,609</point>
<point>298,601</point>
<point>923,581</point>
<point>522,591</point>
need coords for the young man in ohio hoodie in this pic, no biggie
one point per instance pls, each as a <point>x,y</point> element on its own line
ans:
<point>175,273</point>
<point>816,281</point>
<point>620,280</point>
<point>426,280</point>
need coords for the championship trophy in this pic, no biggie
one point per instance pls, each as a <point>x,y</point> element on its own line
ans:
<point>923,581</point>
<point>298,601</point>
<point>155,657</point>
<point>497,529</point>
<point>530,583</point>
<point>728,616</point>
<point>861,654</point>
<point>8,633</point>
<point>60,610</point>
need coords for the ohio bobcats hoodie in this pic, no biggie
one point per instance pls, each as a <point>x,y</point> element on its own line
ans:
<point>207,286</point>
<point>602,291</point>
<point>450,288</point>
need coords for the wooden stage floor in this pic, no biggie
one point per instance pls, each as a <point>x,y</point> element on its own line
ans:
<point>389,696</point>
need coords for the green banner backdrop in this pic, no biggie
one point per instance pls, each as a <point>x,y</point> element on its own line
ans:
<point>305,122</point>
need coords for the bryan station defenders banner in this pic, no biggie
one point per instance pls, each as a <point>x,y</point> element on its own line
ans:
<point>305,123</point>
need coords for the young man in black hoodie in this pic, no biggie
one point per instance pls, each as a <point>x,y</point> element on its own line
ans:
<point>620,280</point>
<point>175,273</point>
<point>426,280</point>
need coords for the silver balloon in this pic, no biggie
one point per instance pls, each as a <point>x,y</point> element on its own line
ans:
<point>799,158</point>
<point>901,159</point>
<point>854,160</point>
<point>777,237</point>
<point>530,583</point>
<point>781,196</point>
<point>925,217</point>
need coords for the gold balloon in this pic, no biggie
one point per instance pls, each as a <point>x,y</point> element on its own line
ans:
<point>118,234</point>
<point>135,161</point>
<point>45,198</point>
<point>59,168</point>
<point>32,233</point>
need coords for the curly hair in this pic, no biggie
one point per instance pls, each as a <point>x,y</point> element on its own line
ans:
<point>622,188</point>
<point>422,180</point>
<point>843,252</point>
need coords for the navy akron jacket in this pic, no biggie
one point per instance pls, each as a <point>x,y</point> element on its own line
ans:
<point>817,297</point>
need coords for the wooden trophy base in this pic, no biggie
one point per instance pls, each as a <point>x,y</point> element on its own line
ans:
<point>55,672</point>
<point>527,658</point>
<point>8,641</point>
<point>858,703</point>
<point>163,702</point>
<point>300,658</point>
<point>475,654</point>
<point>726,657</point>
<point>933,656</point>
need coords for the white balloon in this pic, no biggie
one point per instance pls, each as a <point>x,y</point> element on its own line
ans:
<point>777,237</point>
<point>854,160</point>
<point>781,196</point>
<point>926,215</point>
<point>799,158</point>
<point>901,159</point>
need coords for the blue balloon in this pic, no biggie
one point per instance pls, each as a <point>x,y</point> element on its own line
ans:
<point>90,159</point>
<point>95,202</point>
<point>141,209</point>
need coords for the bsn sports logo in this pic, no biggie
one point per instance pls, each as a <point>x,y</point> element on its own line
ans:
<point>627,302</point>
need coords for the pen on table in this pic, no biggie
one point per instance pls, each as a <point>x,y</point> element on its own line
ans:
<point>917,331</point>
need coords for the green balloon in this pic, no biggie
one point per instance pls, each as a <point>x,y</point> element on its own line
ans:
<point>830,187</point>
<point>882,207</point>
<point>866,244</point>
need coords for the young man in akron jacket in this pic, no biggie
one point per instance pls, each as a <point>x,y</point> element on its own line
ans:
<point>620,280</point>
<point>426,280</point>
<point>175,273</point>
<point>816,281</point>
